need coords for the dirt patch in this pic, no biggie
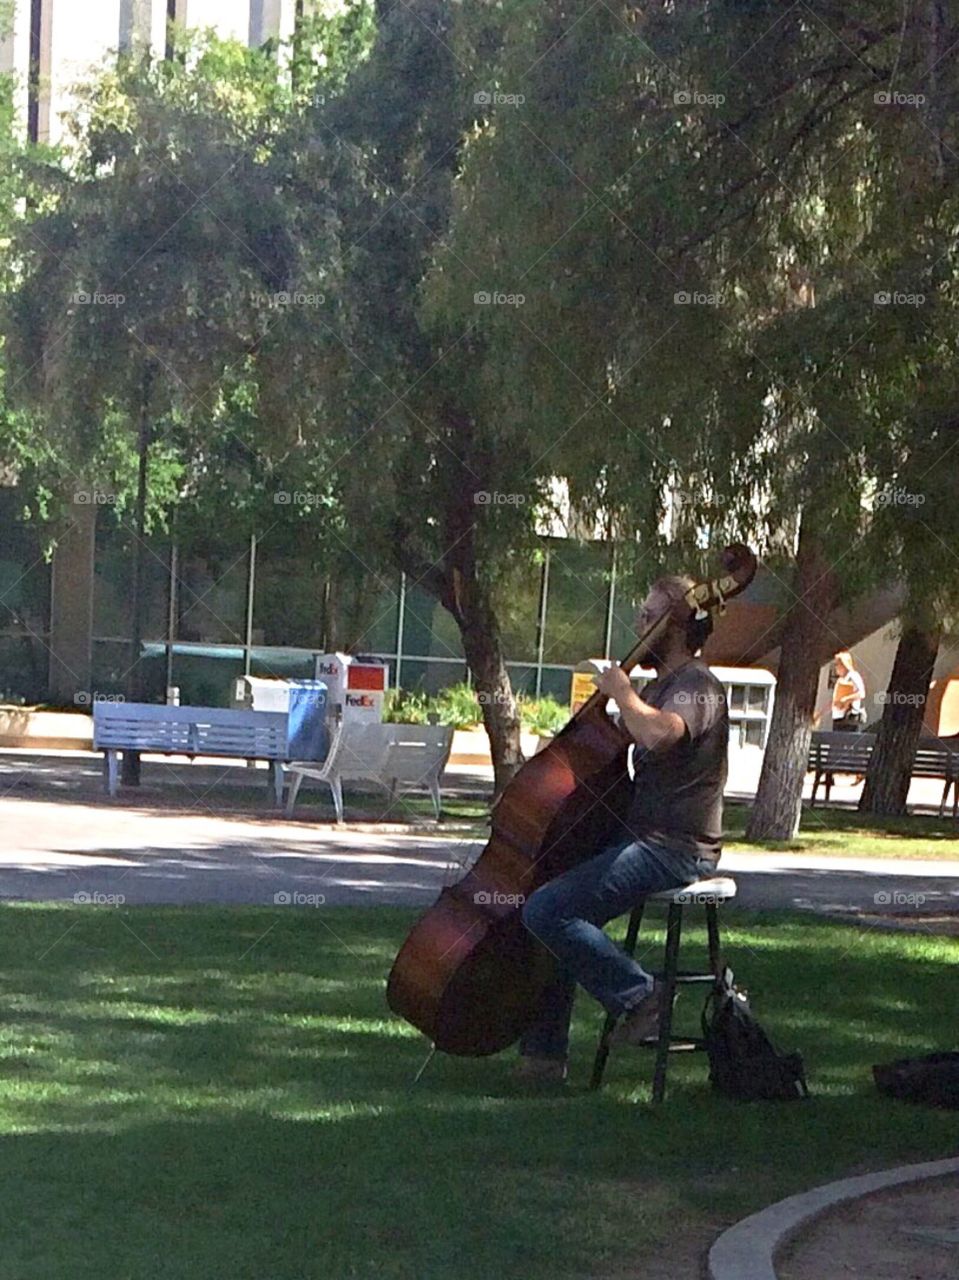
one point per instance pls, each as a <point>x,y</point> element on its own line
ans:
<point>906,1233</point>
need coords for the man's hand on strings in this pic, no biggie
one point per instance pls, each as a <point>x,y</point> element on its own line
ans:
<point>613,682</point>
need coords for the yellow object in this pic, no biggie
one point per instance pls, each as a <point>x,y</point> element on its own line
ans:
<point>584,681</point>
<point>584,686</point>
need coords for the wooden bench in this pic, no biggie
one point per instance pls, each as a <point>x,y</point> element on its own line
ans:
<point>831,753</point>
<point>397,757</point>
<point>189,731</point>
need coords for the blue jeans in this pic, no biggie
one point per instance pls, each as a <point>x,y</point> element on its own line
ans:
<point>567,916</point>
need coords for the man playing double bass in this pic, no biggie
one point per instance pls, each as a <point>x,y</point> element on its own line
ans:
<point>671,837</point>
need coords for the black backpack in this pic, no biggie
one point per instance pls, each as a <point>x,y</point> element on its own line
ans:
<point>743,1061</point>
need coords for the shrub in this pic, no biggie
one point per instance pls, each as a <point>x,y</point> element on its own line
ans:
<point>542,715</point>
<point>458,705</point>
<point>401,706</point>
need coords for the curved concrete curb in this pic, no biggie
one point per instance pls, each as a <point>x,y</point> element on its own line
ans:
<point>745,1251</point>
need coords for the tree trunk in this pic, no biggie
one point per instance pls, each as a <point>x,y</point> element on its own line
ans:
<point>776,811</point>
<point>457,581</point>
<point>484,653</point>
<point>890,768</point>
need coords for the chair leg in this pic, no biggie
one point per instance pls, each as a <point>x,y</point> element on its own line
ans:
<point>336,786</point>
<point>602,1049</point>
<point>292,791</point>
<point>674,928</point>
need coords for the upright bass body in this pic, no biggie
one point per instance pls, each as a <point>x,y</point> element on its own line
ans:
<point>469,974</point>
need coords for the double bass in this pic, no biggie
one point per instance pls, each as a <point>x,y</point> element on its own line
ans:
<point>469,974</point>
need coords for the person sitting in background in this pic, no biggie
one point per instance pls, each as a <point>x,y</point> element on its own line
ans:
<point>848,695</point>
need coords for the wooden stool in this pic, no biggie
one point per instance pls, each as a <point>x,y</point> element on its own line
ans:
<point>706,893</point>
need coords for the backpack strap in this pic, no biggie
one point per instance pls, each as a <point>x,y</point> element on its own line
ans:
<point>722,988</point>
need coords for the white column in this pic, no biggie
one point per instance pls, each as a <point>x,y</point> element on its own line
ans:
<point>229,18</point>
<point>136,24</point>
<point>15,57</point>
<point>271,20</point>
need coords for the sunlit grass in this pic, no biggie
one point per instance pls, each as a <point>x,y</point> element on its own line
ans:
<point>198,1092</point>
<point>848,833</point>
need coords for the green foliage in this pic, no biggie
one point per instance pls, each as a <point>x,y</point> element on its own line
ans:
<point>404,706</point>
<point>459,706</point>
<point>544,716</point>
<point>157,270</point>
<point>728,150</point>
<point>712,150</point>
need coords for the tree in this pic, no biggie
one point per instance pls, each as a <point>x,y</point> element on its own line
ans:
<point>150,270</point>
<point>743,158</point>
<point>890,765</point>
<point>406,391</point>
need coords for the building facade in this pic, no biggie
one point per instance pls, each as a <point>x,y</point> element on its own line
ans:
<point>51,45</point>
<point>49,48</point>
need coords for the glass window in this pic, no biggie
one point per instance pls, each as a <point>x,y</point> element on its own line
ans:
<point>428,629</point>
<point>556,684</point>
<point>113,574</point>
<point>517,608</point>
<point>758,697</point>
<point>576,606</point>
<point>522,678</point>
<point>428,677</point>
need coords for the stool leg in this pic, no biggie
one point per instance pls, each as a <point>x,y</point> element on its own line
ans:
<point>632,929</point>
<point>712,931</point>
<point>602,1049</point>
<point>674,927</point>
<point>602,1052</point>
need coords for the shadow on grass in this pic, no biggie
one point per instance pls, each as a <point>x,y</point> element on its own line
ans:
<point>205,1092</point>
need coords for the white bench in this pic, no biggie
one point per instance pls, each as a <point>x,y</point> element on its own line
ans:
<point>398,757</point>
<point>189,731</point>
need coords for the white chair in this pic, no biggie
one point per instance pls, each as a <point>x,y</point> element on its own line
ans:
<point>396,757</point>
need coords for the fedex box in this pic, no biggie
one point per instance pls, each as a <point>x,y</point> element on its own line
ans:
<point>356,686</point>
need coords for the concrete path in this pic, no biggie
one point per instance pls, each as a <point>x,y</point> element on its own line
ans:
<point>55,850</point>
<point>204,833</point>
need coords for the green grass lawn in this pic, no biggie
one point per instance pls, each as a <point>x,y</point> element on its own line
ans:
<point>842,832</point>
<point>195,1093</point>
<point>853,835</point>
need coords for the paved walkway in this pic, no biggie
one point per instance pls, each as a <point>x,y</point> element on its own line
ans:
<point>54,851</point>
<point>61,838</point>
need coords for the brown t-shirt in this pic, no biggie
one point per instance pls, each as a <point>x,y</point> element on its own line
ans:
<point>678,793</point>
